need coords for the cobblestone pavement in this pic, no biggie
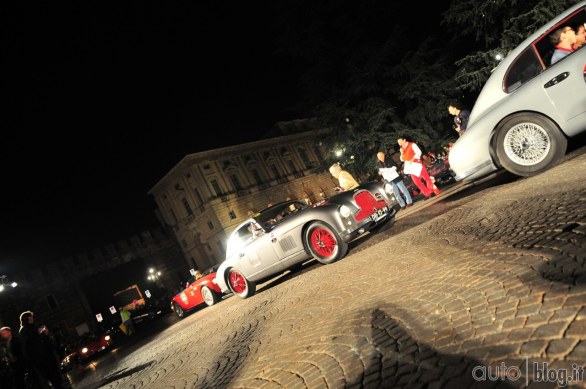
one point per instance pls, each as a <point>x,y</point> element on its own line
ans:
<point>460,289</point>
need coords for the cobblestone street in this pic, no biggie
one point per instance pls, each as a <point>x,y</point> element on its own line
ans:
<point>473,289</point>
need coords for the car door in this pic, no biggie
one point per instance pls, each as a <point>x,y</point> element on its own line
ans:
<point>256,256</point>
<point>565,85</point>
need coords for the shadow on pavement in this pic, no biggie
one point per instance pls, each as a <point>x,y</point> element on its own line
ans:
<point>406,362</point>
<point>119,375</point>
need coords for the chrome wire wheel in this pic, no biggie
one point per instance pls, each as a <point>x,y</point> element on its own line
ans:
<point>527,144</point>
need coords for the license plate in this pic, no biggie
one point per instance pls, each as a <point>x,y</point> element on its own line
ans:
<point>379,214</point>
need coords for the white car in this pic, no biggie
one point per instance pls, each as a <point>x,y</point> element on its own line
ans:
<point>527,109</point>
<point>287,234</point>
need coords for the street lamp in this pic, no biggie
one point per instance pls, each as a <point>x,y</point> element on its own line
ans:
<point>154,275</point>
<point>4,283</point>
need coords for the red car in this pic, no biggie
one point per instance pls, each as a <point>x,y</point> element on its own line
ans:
<point>86,349</point>
<point>196,292</point>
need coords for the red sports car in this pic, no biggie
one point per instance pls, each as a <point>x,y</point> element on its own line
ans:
<point>196,292</point>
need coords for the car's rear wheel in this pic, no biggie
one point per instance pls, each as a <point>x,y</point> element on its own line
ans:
<point>529,144</point>
<point>209,296</point>
<point>178,311</point>
<point>324,243</point>
<point>239,285</point>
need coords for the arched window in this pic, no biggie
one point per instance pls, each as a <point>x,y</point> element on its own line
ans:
<point>235,181</point>
<point>187,206</point>
<point>271,163</point>
<point>216,187</point>
<point>317,151</point>
<point>256,175</point>
<point>304,158</point>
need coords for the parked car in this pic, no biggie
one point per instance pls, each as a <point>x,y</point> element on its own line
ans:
<point>289,233</point>
<point>196,292</point>
<point>527,109</point>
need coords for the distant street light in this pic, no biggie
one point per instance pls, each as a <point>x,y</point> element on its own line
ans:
<point>154,275</point>
<point>4,283</point>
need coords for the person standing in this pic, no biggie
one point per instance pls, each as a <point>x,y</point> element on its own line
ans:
<point>345,179</point>
<point>15,358</point>
<point>126,317</point>
<point>461,117</point>
<point>389,170</point>
<point>411,155</point>
<point>35,353</point>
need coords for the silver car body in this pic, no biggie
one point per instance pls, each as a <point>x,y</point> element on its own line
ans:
<point>259,248</point>
<point>557,92</point>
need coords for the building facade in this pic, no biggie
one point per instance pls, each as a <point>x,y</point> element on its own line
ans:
<point>207,194</point>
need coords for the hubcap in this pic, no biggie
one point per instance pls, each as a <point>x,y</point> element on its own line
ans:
<point>237,282</point>
<point>323,242</point>
<point>527,144</point>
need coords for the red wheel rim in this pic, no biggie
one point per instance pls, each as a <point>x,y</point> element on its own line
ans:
<point>323,242</point>
<point>237,282</point>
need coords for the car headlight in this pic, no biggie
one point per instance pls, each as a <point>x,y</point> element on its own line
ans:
<point>84,350</point>
<point>345,211</point>
<point>389,189</point>
<point>107,337</point>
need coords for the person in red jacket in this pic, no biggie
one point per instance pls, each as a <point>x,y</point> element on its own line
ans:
<point>411,155</point>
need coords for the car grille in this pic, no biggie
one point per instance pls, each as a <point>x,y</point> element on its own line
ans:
<point>367,204</point>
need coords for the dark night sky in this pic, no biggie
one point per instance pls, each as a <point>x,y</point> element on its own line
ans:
<point>103,100</point>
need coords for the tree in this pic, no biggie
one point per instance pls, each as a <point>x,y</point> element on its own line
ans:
<point>496,27</point>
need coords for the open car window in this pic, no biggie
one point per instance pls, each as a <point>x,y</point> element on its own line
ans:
<point>537,56</point>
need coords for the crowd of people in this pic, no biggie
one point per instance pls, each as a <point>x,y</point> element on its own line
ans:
<point>415,164</point>
<point>31,358</point>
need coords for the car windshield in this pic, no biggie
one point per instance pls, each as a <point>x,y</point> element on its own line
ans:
<point>272,216</point>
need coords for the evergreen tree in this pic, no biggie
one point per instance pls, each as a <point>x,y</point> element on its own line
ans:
<point>495,27</point>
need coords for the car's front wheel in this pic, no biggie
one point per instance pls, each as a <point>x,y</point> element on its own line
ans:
<point>324,243</point>
<point>209,296</point>
<point>240,285</point>
<point>529,144</point>
<point>178,311</point>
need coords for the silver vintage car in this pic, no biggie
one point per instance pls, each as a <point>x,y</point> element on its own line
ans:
<point>289,233</point>
<point>527,109</point>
